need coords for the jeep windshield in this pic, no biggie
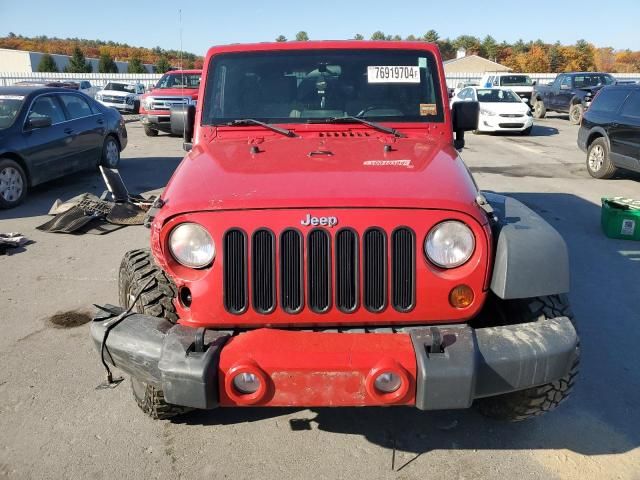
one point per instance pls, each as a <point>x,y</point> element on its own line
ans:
<point>316,85</point>
<point>10,105</point>
<point>179,80</point>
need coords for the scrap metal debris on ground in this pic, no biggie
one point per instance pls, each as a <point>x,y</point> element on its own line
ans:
<point>88,213</point>
<point>11,240</point>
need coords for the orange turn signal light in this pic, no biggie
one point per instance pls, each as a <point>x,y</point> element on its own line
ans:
<point>461,296</point>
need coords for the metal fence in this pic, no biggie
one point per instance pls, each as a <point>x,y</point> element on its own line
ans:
<point>148,79</point>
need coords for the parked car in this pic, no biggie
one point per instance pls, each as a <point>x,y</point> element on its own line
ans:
<point>462,85</point>
<point>324,244</point>
<point>48,132</point>
<point>610,131</point>
<point>569,93</point>
<point>501,110</point>
<point>176,88</point>
<point>83,86</point>
<point>521,84</point>
<point>124,97</point>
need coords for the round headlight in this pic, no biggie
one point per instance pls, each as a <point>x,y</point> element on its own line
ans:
<point>388,382</point>
<point>246,383</point>
<point>449,244</point>
<point>191,245</point>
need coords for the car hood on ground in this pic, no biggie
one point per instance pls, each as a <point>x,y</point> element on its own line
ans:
<point>322,171</point>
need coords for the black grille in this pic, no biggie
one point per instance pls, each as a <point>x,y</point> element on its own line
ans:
<point>291,271</point>
<point>263,271</point>
<point>347,270</point>
<point>235,271</point>
<point>511,125</point>
<point>318,268</point>
<point>402,273</point>
<point>375,270</point>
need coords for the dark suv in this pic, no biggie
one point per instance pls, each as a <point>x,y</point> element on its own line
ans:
<point>610,131</point>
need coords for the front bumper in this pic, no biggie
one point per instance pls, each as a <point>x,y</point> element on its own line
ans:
<point>441,367</point>
<point>157,121</point>
<point>496,123</point>
<point>121,107</point>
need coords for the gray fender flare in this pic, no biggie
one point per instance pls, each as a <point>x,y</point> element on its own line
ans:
<point>531,257</point>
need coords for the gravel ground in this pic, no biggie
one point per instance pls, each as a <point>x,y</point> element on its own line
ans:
<point>55,424</point>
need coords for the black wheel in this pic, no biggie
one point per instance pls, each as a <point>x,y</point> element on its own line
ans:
<point>599,165</point>
<point>151,401</point>
<point>13,183</point>
<point>535,401</point>
<point>110,153</point>
<point>150,132</point>
<point>526,131</point>
<point>539,110</point>
<point>136,269</point>
<point>575,113</point>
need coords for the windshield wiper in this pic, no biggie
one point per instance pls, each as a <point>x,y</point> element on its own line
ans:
<point>351,119</point>
<point>252,121</point>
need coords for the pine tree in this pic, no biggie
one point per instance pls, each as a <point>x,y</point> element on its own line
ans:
<point>378,36</point>
<point>163,65</point>
<point>77,63</point>
<point>358,36</point>
<point>135,65</point>
<point>281,38</point>
<point>47,64</point>
<point>106,64</point>
<point>431,36</point>
<point>302,36</point>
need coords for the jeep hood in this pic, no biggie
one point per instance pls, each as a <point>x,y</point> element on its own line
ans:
<point>350,171</point>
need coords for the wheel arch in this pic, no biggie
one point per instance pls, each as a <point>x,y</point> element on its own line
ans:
<point>597,132</point>
<point>20,161</point>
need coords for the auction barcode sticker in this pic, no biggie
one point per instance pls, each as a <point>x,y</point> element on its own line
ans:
<point>393,74</point>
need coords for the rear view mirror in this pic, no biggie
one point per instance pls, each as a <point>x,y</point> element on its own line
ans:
<point>39,122</point>
<point>464,117</point>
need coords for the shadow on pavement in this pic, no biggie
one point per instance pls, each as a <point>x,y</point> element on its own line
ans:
<point>601,416</point>
<point>139,174</point>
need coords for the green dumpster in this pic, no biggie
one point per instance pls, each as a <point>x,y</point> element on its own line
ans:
<point>621,218</point>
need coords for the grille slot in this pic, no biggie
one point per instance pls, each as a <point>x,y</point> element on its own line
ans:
<point>235,271</point>
<point>263,271</point>
<point>375,270</point>
<point>291,271</point>
<point>318,271</point>
<point>346,270</point>
<point>403,269</point>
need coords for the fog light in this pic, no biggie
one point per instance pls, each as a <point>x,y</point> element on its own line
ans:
<point>461,296</point>
<point>246,383</point>
<point>387,382</point>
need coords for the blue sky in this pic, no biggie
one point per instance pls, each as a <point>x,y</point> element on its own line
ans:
<point>148,23</point>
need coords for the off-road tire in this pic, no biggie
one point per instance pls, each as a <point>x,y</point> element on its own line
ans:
<point>526,131</point>
<point>575,113</point>
<point>13,183</point>
<point>607,169</point>
<point>524,404</point>
<point>136,269</point>
<point>151,401</point>
<point>539,109</point>
<point>150,132</point>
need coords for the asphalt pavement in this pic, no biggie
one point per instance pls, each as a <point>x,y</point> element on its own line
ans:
<point>54,424</point>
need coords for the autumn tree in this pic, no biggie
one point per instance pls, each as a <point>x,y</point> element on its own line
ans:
<point>605,59</point>
<point>281,38</point>
<point>163,65</point>
<point>447,50</point>
<point>135,65</point>
<point>77,63</point>
<point>302,36</point>
<point>535,61</point>
<point>106,64</point>
<point>556,58</point>
<point>585,56</point>
<point>47,64</point>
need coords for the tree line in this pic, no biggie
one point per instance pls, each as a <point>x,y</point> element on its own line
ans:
<point>532,56</point>
<point>107,52</point>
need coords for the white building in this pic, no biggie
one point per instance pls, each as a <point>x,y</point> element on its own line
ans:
<point>22,61</point>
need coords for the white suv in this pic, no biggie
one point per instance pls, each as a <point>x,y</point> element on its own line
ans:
<point>121,96</point>
<point>518,82</point>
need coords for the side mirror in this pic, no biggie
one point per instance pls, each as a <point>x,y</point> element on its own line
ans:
<point>534,83</point>
<point>464,116</point>
<point>182,121</point>
<point>39,122</point>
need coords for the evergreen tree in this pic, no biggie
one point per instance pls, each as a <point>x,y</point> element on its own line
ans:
<point>378,36</point>
<point>302,36</point>
<point>47,64</point>
<point>106,64</point>
<point>358,36</point>
<point>163,65</point>
<point>489,48</point>
<point>135,65</point>
<point>556,59</point>
<point>411,38</point>
<point>431,36</point>
<point>77,63</point>
<point>281,38</point>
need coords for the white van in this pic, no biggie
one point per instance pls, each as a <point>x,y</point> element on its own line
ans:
<point>518,82</point>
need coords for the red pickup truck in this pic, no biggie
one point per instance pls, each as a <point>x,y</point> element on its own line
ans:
<point>175,89</point>
<point>323,244</point>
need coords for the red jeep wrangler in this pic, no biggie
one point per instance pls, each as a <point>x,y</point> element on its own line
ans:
<point>175,89</point>
<point>323,244</point>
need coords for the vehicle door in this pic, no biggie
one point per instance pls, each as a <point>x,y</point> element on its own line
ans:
<point>625,133</point>
<point>549,94</point>
<point>565,94</point>
<point>48,149</point>
<point>88,128</point>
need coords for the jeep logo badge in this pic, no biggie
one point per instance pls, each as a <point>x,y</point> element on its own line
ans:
<point>322,221</point>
